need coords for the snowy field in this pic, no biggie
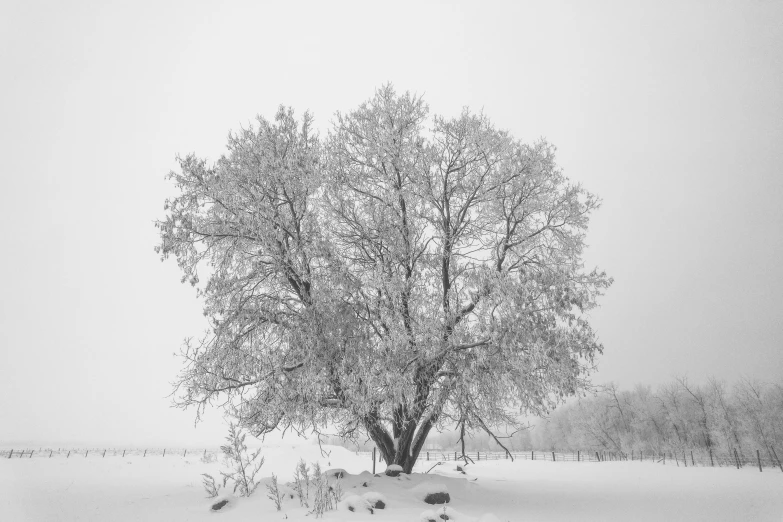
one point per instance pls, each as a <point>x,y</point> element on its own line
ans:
<point>154,488</point>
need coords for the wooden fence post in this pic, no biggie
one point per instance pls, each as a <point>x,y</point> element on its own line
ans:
<point>758,458</point>
<point>693,462</point>
<point>164,452</point>
<point>69,454</point>
<point>596,457</point>
<point>553,456</point>
<point>736,457</point>
<point>145,453</point>
<point>31,454</point>
<point>373,461</point>
<point>776,458</point>
<point>123,453</point>
<point>478,455</point>
<point>50,453</point>
<point>10,454</point>
<point>578,453</point>
<point>532,456</point>
<point>184,453</point>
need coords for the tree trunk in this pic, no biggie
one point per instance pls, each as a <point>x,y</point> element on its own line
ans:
<point>404,449</point>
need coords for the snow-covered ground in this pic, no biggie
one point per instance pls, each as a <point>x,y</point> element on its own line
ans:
<point>154,488</point>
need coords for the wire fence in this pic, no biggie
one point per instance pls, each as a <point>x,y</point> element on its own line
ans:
<point>70,453</point>
<point>681,458</point>
<point>708,458</point>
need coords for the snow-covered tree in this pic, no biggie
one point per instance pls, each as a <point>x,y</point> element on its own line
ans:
<point>404,272</point>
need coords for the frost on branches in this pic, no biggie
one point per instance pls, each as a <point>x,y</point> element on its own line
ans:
<point>403,272</point>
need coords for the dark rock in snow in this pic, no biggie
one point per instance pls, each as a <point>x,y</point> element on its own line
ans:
<point>379,504</point>
<point>440,497</point>
<point>364,484</point>
<point>444,516</point>
<point>218,505</point>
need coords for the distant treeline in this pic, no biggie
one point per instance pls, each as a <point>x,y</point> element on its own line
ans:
<point>714,416</point>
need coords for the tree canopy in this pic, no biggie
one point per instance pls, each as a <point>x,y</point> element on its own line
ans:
<point>403,272</point>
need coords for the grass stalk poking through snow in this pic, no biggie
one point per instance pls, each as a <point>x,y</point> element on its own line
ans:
<point>274,491</point>
<point>209,485</point>
<point>302,483</point>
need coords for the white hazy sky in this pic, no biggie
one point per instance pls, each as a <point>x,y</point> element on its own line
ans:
<point>671,111</point>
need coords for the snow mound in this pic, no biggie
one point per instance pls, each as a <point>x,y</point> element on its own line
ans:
<point>394,470</point>
<point>432,492</point>
<point>355,503</point>
<point>336,473</point>
<point>489,517</point>
<point>375,499</point>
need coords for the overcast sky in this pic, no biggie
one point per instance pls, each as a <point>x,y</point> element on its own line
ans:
<point>672,112</point>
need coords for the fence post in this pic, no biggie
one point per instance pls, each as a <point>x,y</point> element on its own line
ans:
<point>10,454</point>
<point>553,456</point>
<point>373,461</point>
<point>478,455</point>
<point>596,457</point>
<point>532,456</point>
<point>758,458</point>
<point>164,452</point>
<point>69,454</point>
<point>776,458</point>
<point>85,453</point>
<point>31,453</point>
<point>712,462</point>
<point>455,456</point>
<point>693,462</point>
<point>736,457</point>
<point>145,453</point>
<point>184,453</point>
<point>123,453</point>
<point>104,454</point>
<point>50,453</point>
<point>664,458</point>
<point>578,455</point>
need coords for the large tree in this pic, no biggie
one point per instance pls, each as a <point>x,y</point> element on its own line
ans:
<point>399,274</point>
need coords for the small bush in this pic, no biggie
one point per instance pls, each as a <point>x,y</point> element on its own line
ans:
<point>245,466</point>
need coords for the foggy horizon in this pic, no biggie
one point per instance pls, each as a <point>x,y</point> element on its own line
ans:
<point>671,113</point>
